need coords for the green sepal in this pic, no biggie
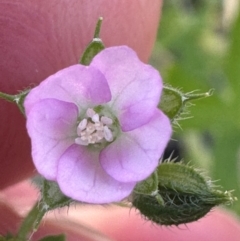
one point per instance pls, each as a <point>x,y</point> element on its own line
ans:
<point>187,196</point>
<point>60,237</point>
<point>18,99</point>
<point>149,186</point>
<point>173,102</point>
<point>94,47</point>
<point>52,197</point>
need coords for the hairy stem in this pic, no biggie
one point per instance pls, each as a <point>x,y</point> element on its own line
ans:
<point>31,222</point>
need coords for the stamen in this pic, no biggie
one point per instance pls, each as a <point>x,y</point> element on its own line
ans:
<point>90,128</point>
<point>93,139</point>
<point>95,118</point>
<point>99,126</point>
<point>106,120</point>
<point>107,133</point>
<point>82,125</point>
<point>99,135</point>
<point>84,136</point>
<point>90,112</point>
<point>94,129</point>
<point>79,141</point>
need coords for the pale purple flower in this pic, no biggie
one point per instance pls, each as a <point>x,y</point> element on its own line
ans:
<point>96,130</point>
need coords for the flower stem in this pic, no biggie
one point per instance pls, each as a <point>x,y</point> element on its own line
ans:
<point>31,222</point>
<point>7,97</point>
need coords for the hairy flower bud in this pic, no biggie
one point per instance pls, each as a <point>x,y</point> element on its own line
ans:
<point>186,195</point>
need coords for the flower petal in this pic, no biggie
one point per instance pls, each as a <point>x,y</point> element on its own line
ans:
<point>135,86</point>
<point>82,85</point>
<point>51,125</point>
<point>135,154</point>
<point>81,177</point>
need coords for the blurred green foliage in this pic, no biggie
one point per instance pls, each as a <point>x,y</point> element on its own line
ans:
<point>197,49</point>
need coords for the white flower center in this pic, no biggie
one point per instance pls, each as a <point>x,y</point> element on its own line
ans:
<point>94,129</point>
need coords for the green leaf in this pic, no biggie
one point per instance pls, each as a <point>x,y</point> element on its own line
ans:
<point>187,195</point>
<point>54,238</point>
<point>94,47</point>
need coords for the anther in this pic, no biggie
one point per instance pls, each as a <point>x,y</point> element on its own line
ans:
<point>90,112</point>
<point>107,133</point>
<point>82,125</point>
<point>94,129</point>
<point>79,141</point>
<point>90,128</point>
<point>95,118</point>
<point>106,120</point>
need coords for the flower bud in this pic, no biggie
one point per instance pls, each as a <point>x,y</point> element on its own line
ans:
<point>174,102</point>
<point>94,47</point>
<point>186,195</point>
